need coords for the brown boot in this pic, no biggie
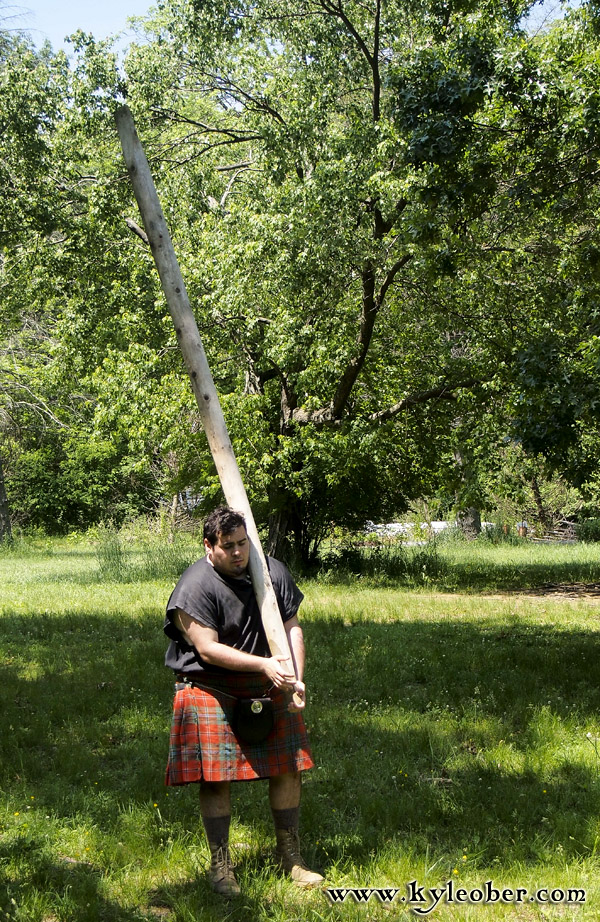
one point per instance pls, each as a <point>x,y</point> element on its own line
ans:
<point>220,874</point>
<point>289,857</point>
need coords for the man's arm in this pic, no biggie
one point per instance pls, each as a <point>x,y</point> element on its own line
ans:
<point>206,641</point>
<point>296,641</point>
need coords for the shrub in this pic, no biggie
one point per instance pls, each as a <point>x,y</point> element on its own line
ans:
<point>588,530</point>
<point>382,559</point>
<point>499,534</point>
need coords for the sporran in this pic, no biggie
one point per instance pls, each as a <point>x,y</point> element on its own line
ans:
<point>253,719</point>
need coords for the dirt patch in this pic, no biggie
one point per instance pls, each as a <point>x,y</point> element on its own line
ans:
<point>587,591</point>
<point>560,592</point>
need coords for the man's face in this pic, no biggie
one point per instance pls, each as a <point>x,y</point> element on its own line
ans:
<point>230,553</point>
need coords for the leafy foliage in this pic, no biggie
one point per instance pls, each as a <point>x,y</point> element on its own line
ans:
<point>386,219</point>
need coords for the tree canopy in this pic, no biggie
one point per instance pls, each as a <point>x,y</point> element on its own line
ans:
<point>385,216</point>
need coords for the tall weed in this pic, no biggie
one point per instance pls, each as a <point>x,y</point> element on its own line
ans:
<point>382,560</point>
<point>160,560</point>
<point>123,557</point>
<point>110,555</point>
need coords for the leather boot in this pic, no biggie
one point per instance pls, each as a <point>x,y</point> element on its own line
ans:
<point>289,857</point>
<point>220,874</point>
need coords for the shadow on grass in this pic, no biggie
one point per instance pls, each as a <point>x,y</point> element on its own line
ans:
<point>445,733</point>
<point>81,890</point>
<point>441,736</point>
<point>80,886</point>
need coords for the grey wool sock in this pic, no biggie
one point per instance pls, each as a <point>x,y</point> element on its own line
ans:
<point>286,819</point>
<point>217,828</point>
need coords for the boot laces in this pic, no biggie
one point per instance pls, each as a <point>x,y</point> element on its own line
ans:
<point>293,847</point>
<point>221,860</point>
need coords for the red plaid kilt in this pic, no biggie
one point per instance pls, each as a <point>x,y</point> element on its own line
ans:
<point>202,745</point>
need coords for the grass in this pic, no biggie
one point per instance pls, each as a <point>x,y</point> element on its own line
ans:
<point>482,566</point>
<point>456,735</point>
<point>452,564</point>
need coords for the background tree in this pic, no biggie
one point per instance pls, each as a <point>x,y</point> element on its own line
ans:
<point>54,207</point>
<point>367,202</point>
<point>386,220</point>
<point>319,233</point>
<point>29,89</point>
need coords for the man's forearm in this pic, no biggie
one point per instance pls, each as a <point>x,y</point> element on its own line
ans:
<point>296,642</point>
<point>218,654</point>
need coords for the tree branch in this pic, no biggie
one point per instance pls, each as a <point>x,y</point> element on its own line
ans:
<point>219,83</point>
<point>371,306</point>
<point>444,392</point>
<point>324,417</point>
<point>370,309</point>
<point>244,164</point>
<point>137,230</point>
<point>232,135</point>
<point>372,57</point>
<point>389,279</point>
<point>230,185</point>
<point>336,9</point>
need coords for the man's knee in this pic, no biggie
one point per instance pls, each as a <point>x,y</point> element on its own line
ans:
<point>289,778</point>
<point>214,787</point>
<point>214,798</point>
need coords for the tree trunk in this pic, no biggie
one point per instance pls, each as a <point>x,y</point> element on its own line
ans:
<point>469,521</point>
<point>290,539</point>
<point>468,518</point>
<point>5,526</point>
<point>543,515</point>
<point>278,542</point>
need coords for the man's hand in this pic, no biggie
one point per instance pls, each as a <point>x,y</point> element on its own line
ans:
<point>298,701</point>
<point>273,669</point>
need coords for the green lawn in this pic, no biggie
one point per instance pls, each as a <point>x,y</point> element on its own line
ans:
<point>456,735</point>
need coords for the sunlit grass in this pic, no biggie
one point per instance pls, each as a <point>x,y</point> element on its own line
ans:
<point>483,566</point>
<point>454,564</point>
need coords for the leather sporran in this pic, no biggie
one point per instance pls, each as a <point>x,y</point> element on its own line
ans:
<point>253,719</point>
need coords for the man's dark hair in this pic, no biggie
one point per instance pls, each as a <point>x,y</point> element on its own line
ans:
<point>222,521</point>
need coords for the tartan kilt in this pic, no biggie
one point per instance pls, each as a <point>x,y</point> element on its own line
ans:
<point>203,747</point>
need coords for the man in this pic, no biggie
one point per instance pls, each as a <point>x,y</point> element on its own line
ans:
<point>219,653</point>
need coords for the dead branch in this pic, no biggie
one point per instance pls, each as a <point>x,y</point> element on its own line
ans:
<point>137,230</point>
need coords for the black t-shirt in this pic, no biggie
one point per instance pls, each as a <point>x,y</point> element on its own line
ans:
<point>228,606</point>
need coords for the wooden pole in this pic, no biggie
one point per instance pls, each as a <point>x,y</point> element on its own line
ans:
<point>190,343</point>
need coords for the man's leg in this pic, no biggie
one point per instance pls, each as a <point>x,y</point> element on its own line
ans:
<point>284,798</point>
<point>215,807</point>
